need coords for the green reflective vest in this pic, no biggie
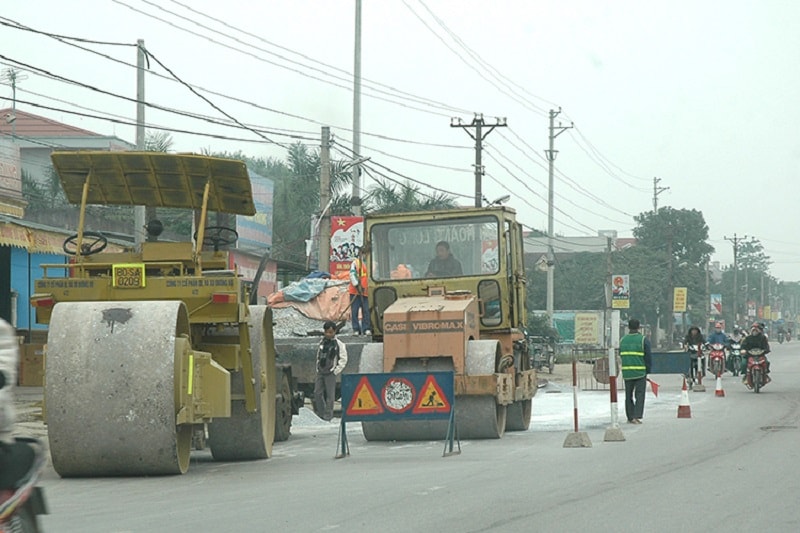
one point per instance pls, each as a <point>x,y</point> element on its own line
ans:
<point>631,351</point>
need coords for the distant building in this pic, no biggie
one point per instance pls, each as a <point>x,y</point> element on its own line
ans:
<point>536,246</point>
<point>37,136</point>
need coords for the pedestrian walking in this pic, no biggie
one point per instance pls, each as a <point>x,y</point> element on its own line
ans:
<point>636,355</point>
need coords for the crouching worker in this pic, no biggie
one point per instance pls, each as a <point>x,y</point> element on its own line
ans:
<point>331,360</point>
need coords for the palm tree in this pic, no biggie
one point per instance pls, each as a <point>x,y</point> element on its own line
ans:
<point>401,198</point>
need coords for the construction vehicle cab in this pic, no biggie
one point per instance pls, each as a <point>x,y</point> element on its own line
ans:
<point>151,350</point>
<point>447,291</point>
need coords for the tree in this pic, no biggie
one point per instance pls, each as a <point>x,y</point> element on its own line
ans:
<point>385,197</point>
<point>680,236</point>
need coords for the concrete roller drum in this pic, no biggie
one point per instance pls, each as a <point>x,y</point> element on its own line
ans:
<point>250,435</point>
<point>477,416</point>
<point>110,388</point>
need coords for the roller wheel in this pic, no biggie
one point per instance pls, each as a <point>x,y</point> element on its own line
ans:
<point>110,388</point>
<point>246,435</point>
<point>283,409</point>
<point>477,417</point>
<point>518,416</point>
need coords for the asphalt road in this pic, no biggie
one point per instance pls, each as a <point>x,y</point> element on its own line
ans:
<point>733,466</point>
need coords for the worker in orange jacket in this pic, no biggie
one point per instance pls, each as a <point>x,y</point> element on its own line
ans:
<point>359,300</point>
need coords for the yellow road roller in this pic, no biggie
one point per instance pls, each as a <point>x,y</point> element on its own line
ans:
<point>152,350</point>
<point>447,293</point>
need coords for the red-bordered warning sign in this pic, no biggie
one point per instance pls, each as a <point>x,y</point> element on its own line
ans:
<point>364,401</point>
<point>431,398</point>
<point>398,394</point>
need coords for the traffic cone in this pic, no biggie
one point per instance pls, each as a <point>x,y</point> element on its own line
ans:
<point>684,409</point>
<point>719,392</point>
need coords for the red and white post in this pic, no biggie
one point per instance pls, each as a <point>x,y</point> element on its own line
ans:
<point>613,433</point>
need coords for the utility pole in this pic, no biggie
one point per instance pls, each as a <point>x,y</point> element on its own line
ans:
<point>478,123</point>
<point>708,294</point>
<point>656,191</point>
<point>355,172</point>
<point>551,152</point>
<point>139,211</point>
<point>735,240</point>
<point>323,221</point>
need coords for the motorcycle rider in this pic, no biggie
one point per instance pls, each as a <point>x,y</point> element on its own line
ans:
<point>756,339</point>
<point>719,336</point>
<point>694,337</point>
<point>15,457</point>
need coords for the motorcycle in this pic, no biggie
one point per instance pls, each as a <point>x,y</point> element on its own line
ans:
<point>698,364</point>
<point>735,357</point>
<point>781,336</point>
<point>21,505</point>
<point>756,370</point>
<point>716,359</point>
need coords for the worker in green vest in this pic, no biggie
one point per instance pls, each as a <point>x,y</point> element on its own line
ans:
<point>634,350</point>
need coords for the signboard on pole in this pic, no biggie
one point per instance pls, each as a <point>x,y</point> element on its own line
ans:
<point>347,238</point>
<point>679,299</point>
<point>620,291</point>
<point>716,304</point>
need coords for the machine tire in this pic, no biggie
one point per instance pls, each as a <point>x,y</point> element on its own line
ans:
<point>110,388</point>
<point>756,377</point>
<point>518,415</point>
<point>283,409</point>
<point>245,435</point>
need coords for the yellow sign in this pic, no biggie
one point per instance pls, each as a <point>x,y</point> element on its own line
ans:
<point>620,291</point>
<point>432,399</point>
<point>364,400</point>
<point>586,326</point>
<point>128,276</point>
<point>679,299</point>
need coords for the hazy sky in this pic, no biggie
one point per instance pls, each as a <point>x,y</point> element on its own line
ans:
<point>701,94</point>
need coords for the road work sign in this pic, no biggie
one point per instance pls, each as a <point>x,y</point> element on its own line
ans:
<point>397,396</point>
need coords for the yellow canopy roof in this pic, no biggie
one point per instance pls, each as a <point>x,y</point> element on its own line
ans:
<point>156,179</point>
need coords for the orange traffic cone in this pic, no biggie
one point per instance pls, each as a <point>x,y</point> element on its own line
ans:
<point>684,409</point>
<point>719,392</point>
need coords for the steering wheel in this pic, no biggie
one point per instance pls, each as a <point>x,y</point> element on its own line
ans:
<point>217,236</point>
<point>92,243</point>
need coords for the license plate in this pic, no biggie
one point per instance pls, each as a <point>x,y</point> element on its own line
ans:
<point>128,276</point>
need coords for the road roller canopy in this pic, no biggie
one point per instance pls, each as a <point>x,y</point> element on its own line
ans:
<point>155,179</point>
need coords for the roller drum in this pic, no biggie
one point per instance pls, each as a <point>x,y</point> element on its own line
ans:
<point>247,435</point>
<point>110,388</point>
<point>477,417</point>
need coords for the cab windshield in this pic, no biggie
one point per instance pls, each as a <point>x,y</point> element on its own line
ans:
<point>445,248</point>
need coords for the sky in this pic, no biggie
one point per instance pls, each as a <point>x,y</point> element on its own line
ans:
<point>699,94</point>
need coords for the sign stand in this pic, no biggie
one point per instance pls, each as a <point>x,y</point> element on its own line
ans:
<point>452,433</point>
<point>342,443</point>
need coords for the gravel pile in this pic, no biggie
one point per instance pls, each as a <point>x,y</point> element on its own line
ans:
<point>290,322</point>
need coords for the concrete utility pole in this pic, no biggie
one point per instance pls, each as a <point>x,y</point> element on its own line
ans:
<point>139,210</point>
<point>656,191</point>
<point>355,201</point>
<point>735,240</point>
<point>555,131</point>
<point>323,221</point>
<point>478,123</point>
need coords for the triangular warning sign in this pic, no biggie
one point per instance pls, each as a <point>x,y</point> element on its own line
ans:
<point>364,401</point>
<point>431,399</point>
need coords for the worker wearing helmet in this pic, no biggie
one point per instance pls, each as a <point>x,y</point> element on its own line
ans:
<point>756,339</point>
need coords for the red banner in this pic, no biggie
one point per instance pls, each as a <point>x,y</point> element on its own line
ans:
<point>347,237</point>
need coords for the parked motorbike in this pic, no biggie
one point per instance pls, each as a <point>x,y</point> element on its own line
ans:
<point>756,369</point>
<point>735,357</point>
<point>23,502</point>
<point>716,359</point>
